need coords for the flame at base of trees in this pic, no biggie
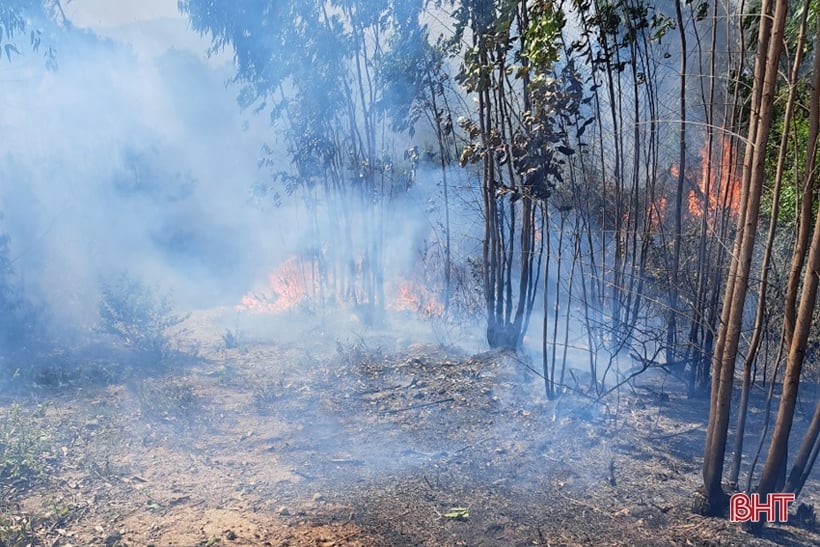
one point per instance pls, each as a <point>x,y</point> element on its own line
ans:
<point>411,296</point>
<point>723,187</point>
<point>289,286</point>
<point>718,181</point>
<point>297,284</point>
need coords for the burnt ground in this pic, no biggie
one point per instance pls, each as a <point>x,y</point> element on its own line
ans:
<point>360,442</point>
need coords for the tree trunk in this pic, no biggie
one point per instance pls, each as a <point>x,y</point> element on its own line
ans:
<point>735,297</point>
<point>711,477</point>
<point>671,326</point>
<point>802,323</point>
<point>805,456</point>
<point>754,344</point>
<point>804,226</point>
<point>791,382</point>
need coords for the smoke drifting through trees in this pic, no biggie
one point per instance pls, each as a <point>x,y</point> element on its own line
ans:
<point>104,174</point>
<point>619,154</point>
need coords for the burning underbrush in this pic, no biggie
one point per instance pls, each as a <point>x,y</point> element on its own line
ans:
<point>714,181</point>
<point>302,283</point>
<point>364,440</point>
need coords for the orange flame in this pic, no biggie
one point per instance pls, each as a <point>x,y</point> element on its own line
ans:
<point>656,212</point>
<point>413,297</point>
<point>295,281</point>
<point>290,285</point>
<point>723,186</point>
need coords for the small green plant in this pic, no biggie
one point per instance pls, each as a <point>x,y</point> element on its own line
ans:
<point>23,445</point>
<point>25,529</point>
<point>265,393</point>
<point>164,398</point>
<point>357,352</point>
<point>17,529</point>
<point>457,513</point>
<point>139,316</point>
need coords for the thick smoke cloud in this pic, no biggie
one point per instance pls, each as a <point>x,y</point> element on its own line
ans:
<point>137,159</point>
<point>119,161</point>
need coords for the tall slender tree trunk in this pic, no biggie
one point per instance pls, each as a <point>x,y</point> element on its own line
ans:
<point>672,322</point>
<point>804,219</point>
<point>757,330</point>
<point>723,363</point>
<point>772,470</point>
<point>776,460</point>
<point>699,311</point>
<point>806,456</point>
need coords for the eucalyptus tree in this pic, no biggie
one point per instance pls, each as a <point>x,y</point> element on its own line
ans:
<point>618,183</point>
<point>418,86</point>
<point>800,312</point>
<point>17,18</point>
<point>790,118</point>
<point>767,59</point>
<point>314,67</point>
<point>517,142</point>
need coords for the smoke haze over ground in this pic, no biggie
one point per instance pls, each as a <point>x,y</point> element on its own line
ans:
<point>110,154</point>
<point>318,375</point>
<point>133,157</point>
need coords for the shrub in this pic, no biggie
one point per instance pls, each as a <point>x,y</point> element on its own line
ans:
<point>139,316</point>
<point>168,398</point>
<point>230,339</point>
<point>22,446</point>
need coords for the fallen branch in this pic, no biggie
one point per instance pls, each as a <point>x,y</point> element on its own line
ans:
<point>667,436</point>
<point>413,407</point>
<point>352,461</point>
<point>381,389</point>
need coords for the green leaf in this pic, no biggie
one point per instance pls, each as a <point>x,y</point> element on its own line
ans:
<point>458,513</point>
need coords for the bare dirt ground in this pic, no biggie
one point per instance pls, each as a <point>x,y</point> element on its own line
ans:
<point>362,442</point>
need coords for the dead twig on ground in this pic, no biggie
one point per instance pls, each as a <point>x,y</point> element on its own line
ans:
<point>422,405</point>
<point>654,438</point>
<point>382,389</point>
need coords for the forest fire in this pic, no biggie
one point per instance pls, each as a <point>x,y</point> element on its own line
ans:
<point>290,285</point>
<point>719,179</point>
<point>295,283</point>
<point>656,212</point>
<point>409,273</point>
<point>412,297</point>
<point>721,182</point>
